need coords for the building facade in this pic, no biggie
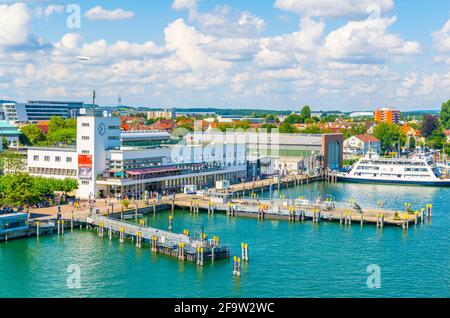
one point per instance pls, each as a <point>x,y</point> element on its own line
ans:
<point>10,133</point>
<point>387,115</point>
<point>360,144</point>
<point>104,166</point>
<point>275,153</point>
<point>166,114</point>
<point>35,111</point>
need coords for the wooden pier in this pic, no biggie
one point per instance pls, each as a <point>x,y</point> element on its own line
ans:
<point>183,246</point>
<point>274,183</point>
<point>301,209</point>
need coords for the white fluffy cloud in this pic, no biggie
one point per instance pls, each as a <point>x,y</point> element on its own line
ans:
<point>442,38</point>
<point>224,56</point>
<point>49,10</point>
<point>189,46</point>
<point>14,24</point>
<point>99,13</point>
<point>335,8</point>
<point>184,4</point>
<point>366,42</point>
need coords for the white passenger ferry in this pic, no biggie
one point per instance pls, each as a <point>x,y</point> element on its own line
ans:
<point>417,170</point>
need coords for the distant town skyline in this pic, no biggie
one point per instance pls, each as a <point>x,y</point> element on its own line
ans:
<point>343,55</point>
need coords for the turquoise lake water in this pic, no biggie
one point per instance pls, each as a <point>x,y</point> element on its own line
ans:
<point>286,260</point>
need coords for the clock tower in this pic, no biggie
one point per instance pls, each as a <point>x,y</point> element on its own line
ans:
<point>95,136</point>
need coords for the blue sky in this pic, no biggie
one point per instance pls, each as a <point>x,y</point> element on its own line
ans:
<point>272,54</point>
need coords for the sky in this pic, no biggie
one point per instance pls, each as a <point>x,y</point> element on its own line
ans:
<point>346,55</point>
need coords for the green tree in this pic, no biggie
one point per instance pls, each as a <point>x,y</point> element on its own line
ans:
<point>437,139</point>
<point>311,129</point>
<point>389,135</point>
<point>61,131</point>
<point>445,114</point>
<point>268,127</point>
<point>32,135</point>
<point>358,129</point>
<point>12,162</point>
<point>21,188</point>
<point>287,128</point>
<point>125,203</point>
<point>18,190</point>
<point>271,118</point>
<point>294,119</point>
<point>4,143</point>
<point>306,112</point>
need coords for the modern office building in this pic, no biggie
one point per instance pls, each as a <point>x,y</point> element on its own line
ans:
<point>43,110</point>
<point>103,166</point>
<point>35,111</point>
<point>387,115</point>
<point>9,111</point>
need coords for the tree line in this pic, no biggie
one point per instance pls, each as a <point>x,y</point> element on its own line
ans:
<point>17,190</point>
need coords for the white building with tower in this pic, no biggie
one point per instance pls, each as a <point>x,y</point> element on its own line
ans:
<point>104,166</point>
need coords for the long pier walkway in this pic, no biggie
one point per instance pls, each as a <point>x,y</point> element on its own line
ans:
<point>183,246</point>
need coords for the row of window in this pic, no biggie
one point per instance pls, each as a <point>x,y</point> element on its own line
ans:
<point>109,138</point>
<point>53,171</point>
<point>47,158</point>
<point>109,127</point>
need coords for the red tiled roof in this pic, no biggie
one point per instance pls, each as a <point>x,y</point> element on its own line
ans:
<point>367,138</point>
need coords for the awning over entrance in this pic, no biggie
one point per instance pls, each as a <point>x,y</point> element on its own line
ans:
<point>138,172</point>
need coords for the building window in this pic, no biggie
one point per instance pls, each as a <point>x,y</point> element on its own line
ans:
<point>68,159</point>
<point>84,137</point>
<point>113,138</point>
<point>85,182</point>
<point>36,158</point>
<point>85,151</point>
<point>85,125</point>
<point>47,158</point>
<point>58,159</point>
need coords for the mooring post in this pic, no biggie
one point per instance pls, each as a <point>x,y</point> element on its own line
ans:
<point>170,222</point>
<point>429,210</point>
<point>37,229</point>
<point>154,245</point>
<point>236,266</point>
<point>121,235</point>
<point>57,225</point>
<point>200,252</point>
<point>181,251</point>
<point>71,221</point>
<point>244,247</point>
<point>138,239</point>
<point>362,218</point>
<point>110,233</point>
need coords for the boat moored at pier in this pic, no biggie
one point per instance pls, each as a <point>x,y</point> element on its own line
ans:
<point>417,170</point>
